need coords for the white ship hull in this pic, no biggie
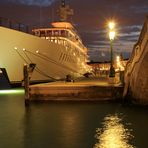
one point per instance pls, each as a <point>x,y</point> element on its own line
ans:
<point>52,60</point>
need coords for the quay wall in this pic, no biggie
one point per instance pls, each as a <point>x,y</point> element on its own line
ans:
<point>75,92</point>
<point>136,73</point>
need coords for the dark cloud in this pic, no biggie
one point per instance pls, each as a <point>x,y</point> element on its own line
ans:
<point>29,2</point>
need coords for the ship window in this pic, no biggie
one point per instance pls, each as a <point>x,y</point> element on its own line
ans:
<point>55,41</point>
<point>63,42</point>
<point>66,48</point>
<point>37,33</point>
<point>63,33</point>
<point>49,33</point>
<point>59,41</point>
<point>59,32</point>
<point>56,33</point>
<point>42,33</point>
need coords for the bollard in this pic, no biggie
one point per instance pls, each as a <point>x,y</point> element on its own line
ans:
<point>26,84</point>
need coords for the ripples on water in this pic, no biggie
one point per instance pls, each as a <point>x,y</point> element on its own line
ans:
<point>113,134</point>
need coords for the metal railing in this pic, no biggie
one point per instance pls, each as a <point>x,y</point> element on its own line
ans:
<point>12,24</point>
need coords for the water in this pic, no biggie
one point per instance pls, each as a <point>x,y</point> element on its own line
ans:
<point>71,124</point>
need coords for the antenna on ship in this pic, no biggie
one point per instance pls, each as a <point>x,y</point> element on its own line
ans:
<point>40,11</point>
<point>64,11</point>
<point>63,3</point>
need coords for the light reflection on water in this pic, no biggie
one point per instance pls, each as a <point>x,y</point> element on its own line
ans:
<point>113,134</point>
<point>70,124</point>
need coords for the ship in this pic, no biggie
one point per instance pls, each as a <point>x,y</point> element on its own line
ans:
<point>56,52</point>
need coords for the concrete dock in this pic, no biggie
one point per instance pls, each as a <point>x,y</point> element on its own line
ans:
<point>88,89</point>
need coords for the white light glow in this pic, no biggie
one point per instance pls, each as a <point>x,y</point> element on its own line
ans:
<point>118,58</point>
<point>119,64</point>
<point>111,25</point>
<point>111,35</point>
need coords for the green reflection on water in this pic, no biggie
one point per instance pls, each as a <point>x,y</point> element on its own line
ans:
<point>113,134</point>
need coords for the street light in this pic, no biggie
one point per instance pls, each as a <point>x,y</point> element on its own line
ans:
<point>111,25</point>
<point>111,37</point>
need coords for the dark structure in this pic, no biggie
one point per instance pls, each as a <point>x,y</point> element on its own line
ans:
<point>4,80</point>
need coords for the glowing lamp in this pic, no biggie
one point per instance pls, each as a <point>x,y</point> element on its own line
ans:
<point>111,25</point>
<point>37,51</point>
<point>111,35</point>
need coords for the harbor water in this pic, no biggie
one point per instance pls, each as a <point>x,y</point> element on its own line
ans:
<point>70,124</point>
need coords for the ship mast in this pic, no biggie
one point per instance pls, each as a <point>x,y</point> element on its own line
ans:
<point>63,3</point>
<point>64,11</point>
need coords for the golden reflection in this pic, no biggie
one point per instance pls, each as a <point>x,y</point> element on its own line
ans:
<point>113,134</point>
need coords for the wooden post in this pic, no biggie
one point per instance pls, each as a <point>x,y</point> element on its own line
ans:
<point>26,84</point>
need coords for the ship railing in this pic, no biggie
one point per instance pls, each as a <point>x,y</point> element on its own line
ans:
<point>12,24</point>
<point>57,33</point>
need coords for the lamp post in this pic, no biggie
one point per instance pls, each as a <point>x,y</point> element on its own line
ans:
<point>111,37</point>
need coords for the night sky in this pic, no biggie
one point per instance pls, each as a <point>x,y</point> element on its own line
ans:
<point>90,19</point>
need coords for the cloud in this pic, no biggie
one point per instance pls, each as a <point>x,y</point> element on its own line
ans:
<point>30,2</point>
<point>97,40</point>
<point>142,9</point>
<point>130,34</point>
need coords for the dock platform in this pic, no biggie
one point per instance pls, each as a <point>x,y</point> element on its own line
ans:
<point>88,89</point>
